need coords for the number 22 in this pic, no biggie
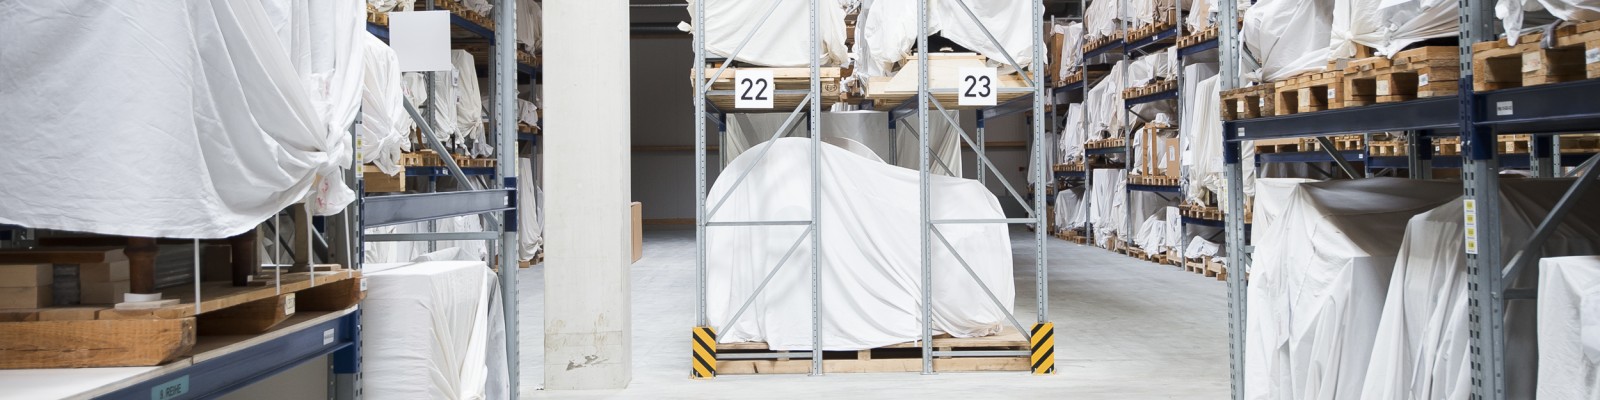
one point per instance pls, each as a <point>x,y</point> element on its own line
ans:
<point>751,84</point>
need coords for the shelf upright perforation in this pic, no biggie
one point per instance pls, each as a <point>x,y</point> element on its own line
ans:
<point>1228,54</point>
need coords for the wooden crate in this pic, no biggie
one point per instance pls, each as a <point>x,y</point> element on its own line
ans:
<point>147,334</point>
<point>1574,54</point>
<point>1197,38</point>
<point>1308,92</point>
<point>1387,148</point>
<point>376,181</point>
<point>783,79</point>
<point>1161,86</point>
<point>1412,74</point>
<point>902,357</point>
<point>1249,102</point>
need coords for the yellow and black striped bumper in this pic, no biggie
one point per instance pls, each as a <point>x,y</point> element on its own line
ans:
<point>1043,341</point>
<point>705,353</point>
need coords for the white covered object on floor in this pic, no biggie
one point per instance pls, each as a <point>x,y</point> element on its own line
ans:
<point>432,329</point>
<point>782,41</point>
<point>868,128</point>
<point>201,121</point>
<point>1422,347</point>
<point>1569,328</point>
<point>1320,271</point>
<point>871,268</point>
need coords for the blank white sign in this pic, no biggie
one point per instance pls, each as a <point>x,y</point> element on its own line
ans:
<point>421,40</point>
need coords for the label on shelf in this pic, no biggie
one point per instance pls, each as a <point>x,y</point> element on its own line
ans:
<point>1591,56</point>
<point>1261,102</point>
<point>1333,93</point>
<point>1422,80</point>
<point>1241,131</point>
<point>1471,207</point>
<point>171,390</point>
<point>288,304</point>
<point>1383,87</point>
<point>978,87</point>
<point>1502,108</point>
<point>363,283</point>
<point>753,88</point>
<point>327,337</point>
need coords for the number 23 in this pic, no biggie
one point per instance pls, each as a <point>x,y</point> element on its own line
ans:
<point>972,85</point>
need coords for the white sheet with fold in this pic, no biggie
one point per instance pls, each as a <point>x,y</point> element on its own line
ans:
<point>428,329</point>
<point>870,267</point>
<point>886,31</point>
<point>782,40</point>
<point>1569,328</point>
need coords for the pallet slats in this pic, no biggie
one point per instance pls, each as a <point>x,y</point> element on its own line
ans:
<point>1574,54</point>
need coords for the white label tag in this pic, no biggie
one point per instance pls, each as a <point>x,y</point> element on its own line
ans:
<point>1261,102</point>
<point>1383,87</point>
<point>327,337</point>
<point>1240,106</point>
<point>1422,80</point>
<point>978,87</point>
<point>1502,108</point>
<point>1591,56</point>
<point>363,284</point>
<point>1471,207</point>
<point>1333,93</point>
<point>1241,131</point>
<point>752,88</point>
<point>288,304</point>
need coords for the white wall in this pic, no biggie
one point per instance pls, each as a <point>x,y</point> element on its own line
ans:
<point>662,108</point>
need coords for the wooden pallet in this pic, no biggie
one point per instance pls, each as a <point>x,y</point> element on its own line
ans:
<point>1269,146</point>
<point>456,8</point>
<point>1197,38</point>
<point>1150,180</point>
<point>1580,144</point>
<point>147,334</point>
<point>427,158</point>
<point>1146,31</point>
<point>1516,144</point>
<point>376,17</point>
<point>1161,86</point>
<point>1102,41</point>
<point>1412,74</point>
<point>375,181</point>
<point>783,79</point>
<point>1249,102</point>
<point>1387,148</point>
<point>1068,167</point>
<point>1199,211</point>
<point>1073,236</point>
<point>1573,55</point>
<point>1308,92</point>
<point>943,68</point>
<point>1106,143</point>
<point>902,357</point>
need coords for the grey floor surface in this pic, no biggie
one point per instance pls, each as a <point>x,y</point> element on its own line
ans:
<point>1125,329</point>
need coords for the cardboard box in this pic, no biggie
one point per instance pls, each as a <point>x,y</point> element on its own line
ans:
<point>103,272</point>
<point>26,275</point>
<point>102,292</point>
<point>25,297</point>
<point>637,223</point>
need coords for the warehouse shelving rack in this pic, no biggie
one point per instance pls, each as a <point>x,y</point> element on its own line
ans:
<point>1478,118</point>
<point>497,202</point>
<point>917,107</point>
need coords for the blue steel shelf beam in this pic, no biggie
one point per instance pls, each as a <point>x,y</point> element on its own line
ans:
<point>1113,46</point>
<point>1154,188</point>
<point>1151,98</point>
<point>1553,108</point>
<point>253,363</point>
<point>1106,150</point>
<point>1436,113</point>
<point>1154,43</point>
<point>405,208</point>
<point>1186,52</point>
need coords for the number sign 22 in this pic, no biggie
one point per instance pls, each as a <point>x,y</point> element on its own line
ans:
<point>752,88</point>
<point>978,87</point>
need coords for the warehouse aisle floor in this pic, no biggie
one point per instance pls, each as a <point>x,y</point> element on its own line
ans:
<point>1125,329</point>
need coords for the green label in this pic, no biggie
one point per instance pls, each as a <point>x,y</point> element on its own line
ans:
<point>170,390</point>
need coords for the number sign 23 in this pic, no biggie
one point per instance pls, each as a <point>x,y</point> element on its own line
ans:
<point>752,88</point>
<point>978,87</point>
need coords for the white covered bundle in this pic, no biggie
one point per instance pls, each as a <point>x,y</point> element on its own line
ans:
<point>869,128</point>
<point>886,31</point>
<point>1406,22</point>
<point>1202,123</point>
<point>1422,345</point>
<point>385,125</point>
<point>200,124</point>
<point>1108,204</point>
<point>458,113</point>
<point>1070,143</point>
<point>529,25</point>
<point>1071,210</point>
<point>1569,329</point>
<point>1104,105</point>
<point>1287,37</point>
<point>783,41</point>
<point>871,267</point>
<point>433,330</point>
<point>1101,19</point>
<point>1512,12</point>
<point>1071,49</point>
<point>1355,23</point>
<point>530,217</point>
<point>1321,268</point>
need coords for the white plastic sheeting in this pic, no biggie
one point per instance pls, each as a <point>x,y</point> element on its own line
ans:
<point>870,128</point>
<point>1287,37</point>
<point>782,41</point>
<point>1355,23</point>
<point>433,330</point>
<point>1422,346</point>
<point>1321,268</point>
<point>389,252</point>
<point>1108,198</point>
<point>529,24</point>
<point>201,124</point>
<point>1512,12</point>
<point>1104,105</point>
<point>1406,22</point>
<point>1569,328</point>
<point>530,217</point>
<point>1202,122</point>
<point>1069,145</point>
<point>1101,19</point>
<point>385,125</point>
<point>886,31</point>
<point>1071,211</point>
<point>1071,48</point>
<point>870,269</point>
<point>1160,231</point>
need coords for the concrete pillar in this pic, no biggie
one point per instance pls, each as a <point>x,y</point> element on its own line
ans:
<point>587,316</point>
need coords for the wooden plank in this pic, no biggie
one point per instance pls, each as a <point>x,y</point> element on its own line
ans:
<point>331,297</point>
<point>26,275</point>
<point>220,295</point>
<point>99,343</point>
<point>249,318</point>
<point>63,255</point>
<point>378,182</point>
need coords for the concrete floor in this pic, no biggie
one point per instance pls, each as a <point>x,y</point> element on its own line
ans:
<point>1125,329</point>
